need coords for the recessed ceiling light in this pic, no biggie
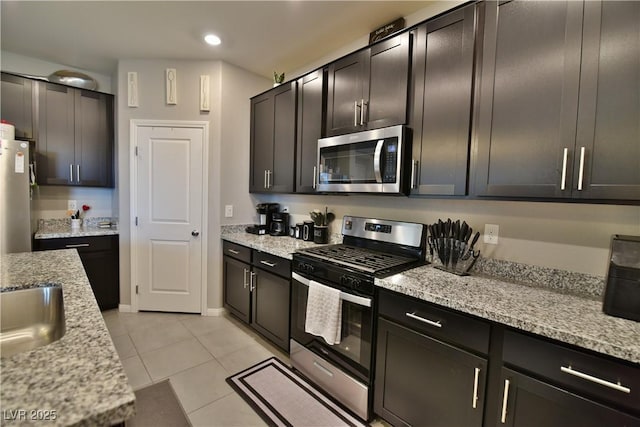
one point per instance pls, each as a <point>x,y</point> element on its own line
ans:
<point>212,39</point>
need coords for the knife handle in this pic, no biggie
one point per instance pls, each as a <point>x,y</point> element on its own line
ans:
<point>475,240</point>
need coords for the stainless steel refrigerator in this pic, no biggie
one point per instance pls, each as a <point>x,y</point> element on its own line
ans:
<point>15,218</point>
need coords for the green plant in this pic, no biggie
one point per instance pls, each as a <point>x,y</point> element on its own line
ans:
<point>278,78</point>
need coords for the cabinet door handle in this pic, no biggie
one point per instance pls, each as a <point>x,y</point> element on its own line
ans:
<point>70,172</point>
<point>565,155</point>
<point>78,173</point>
<point>269,175</point>
<point>244,278</point>
<point>435,323</point>
<point>252,287</point>
<point>505,397</point>
<point>233,251</point>
<point>79,245</point>
<point>355,113</point>
<point>315,176</point>
<point>414,166</point>
<point>581,171</point>
<point>268,264</point>
<point>265,179</point>
<point>362,112</point>
<point>569,370</point>
<point>474,401</point>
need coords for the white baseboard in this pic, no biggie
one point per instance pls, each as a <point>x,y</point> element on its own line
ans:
<point>215,312</point>
<point>124,308</point>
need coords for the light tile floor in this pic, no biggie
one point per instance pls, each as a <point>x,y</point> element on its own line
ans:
<point>196,354</point>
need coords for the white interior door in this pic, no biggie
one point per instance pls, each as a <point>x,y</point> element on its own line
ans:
<point>169,210</point>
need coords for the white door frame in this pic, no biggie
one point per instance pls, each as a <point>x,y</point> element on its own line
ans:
<point>133,143</point>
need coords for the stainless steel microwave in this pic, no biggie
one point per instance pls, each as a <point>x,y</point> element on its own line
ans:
<point>365,162</point>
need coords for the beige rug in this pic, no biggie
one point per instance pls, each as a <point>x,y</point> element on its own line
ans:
<point>157,406</point>
<point>282,398</point>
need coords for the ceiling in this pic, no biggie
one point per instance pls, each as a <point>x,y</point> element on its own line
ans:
<point>259,36</point>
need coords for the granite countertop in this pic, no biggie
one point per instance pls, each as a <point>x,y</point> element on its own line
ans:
<point>548,305</point>
<point>80,376</point>
<point>282,246</point>
<point>60,228</point>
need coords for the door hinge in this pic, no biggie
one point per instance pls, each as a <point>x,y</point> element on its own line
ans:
<point>136,289</point>
<point>136,150</point>
<point>136,221</point>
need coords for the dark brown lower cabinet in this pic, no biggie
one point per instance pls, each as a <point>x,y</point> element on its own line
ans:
<point>530,402</point>
<point>270,307</point>
<point>100,259</point>
<point>422,381</point>
<point>257,288</point>
<point>237,293</point>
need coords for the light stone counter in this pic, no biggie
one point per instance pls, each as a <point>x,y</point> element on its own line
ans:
<point>61,228</point>
<point>80,377</point>
<point>561,305</point>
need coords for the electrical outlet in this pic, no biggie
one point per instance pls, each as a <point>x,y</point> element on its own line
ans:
<point>491,234</point>
<point>228,211</point>
<point>72,205</point>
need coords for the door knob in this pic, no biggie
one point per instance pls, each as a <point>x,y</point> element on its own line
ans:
<point>195,233</point>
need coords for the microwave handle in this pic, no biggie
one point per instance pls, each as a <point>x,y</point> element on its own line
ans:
<point>377,160</point>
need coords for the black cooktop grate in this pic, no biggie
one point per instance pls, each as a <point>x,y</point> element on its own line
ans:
<point>359,258</point>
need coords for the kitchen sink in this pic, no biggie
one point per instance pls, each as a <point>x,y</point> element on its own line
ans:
<point>30,318</point>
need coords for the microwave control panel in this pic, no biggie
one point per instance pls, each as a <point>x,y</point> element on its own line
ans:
<point>390,161</point>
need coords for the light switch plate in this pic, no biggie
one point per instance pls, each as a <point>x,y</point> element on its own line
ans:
<point>72,205</point>
<point>228,211</point>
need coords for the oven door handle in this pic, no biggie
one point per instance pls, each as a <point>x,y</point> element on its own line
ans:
<point>363,301</point>
<point>377,161</point>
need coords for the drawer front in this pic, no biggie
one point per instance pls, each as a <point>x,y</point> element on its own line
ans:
<point>441,323</point>
<point>272,263</point>
<point>597,377</point>
<point>82,244</point>
<point>236,251</point>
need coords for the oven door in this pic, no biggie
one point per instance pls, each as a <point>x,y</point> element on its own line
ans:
<point>353,353</point>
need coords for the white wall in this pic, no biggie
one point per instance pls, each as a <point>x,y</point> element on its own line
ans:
<point>228,134</point>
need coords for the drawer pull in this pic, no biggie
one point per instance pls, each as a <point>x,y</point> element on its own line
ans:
<point>79,245</point>
<point>436,323</point>
<point>322,368</point>
<point>474,402</point>
<point>593,379</point>
<point>268,264</point>
<point>233,251</point>
<point>505,397</point>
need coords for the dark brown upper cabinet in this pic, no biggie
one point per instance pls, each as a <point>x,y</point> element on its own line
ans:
<point>608,131</point>
<point>442,85</point>
<point>310,113</point>
<point>17,104</point>
<point>368,89</point>
<point>75,136</point>
<point>559,101</point>
<point>273,140</point>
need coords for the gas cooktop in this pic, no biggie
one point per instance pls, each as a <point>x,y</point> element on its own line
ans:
<point>373,246</point>
<point>362,259</point>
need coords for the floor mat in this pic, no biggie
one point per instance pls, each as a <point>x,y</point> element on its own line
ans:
<point>157,405</point>
<point>282,398</point>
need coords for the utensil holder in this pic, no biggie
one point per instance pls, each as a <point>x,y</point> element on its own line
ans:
<point>76,223</point>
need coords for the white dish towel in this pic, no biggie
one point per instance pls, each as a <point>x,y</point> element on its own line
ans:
<point>324,312</point>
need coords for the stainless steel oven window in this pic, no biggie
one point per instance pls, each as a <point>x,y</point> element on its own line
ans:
<point>349,163</point>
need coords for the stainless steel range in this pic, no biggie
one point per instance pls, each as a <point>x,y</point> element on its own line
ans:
<point>371,248</point>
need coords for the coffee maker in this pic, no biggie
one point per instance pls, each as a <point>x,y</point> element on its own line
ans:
<point>622,293</point>
<point>265,212</point>
<point>279,224</point>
